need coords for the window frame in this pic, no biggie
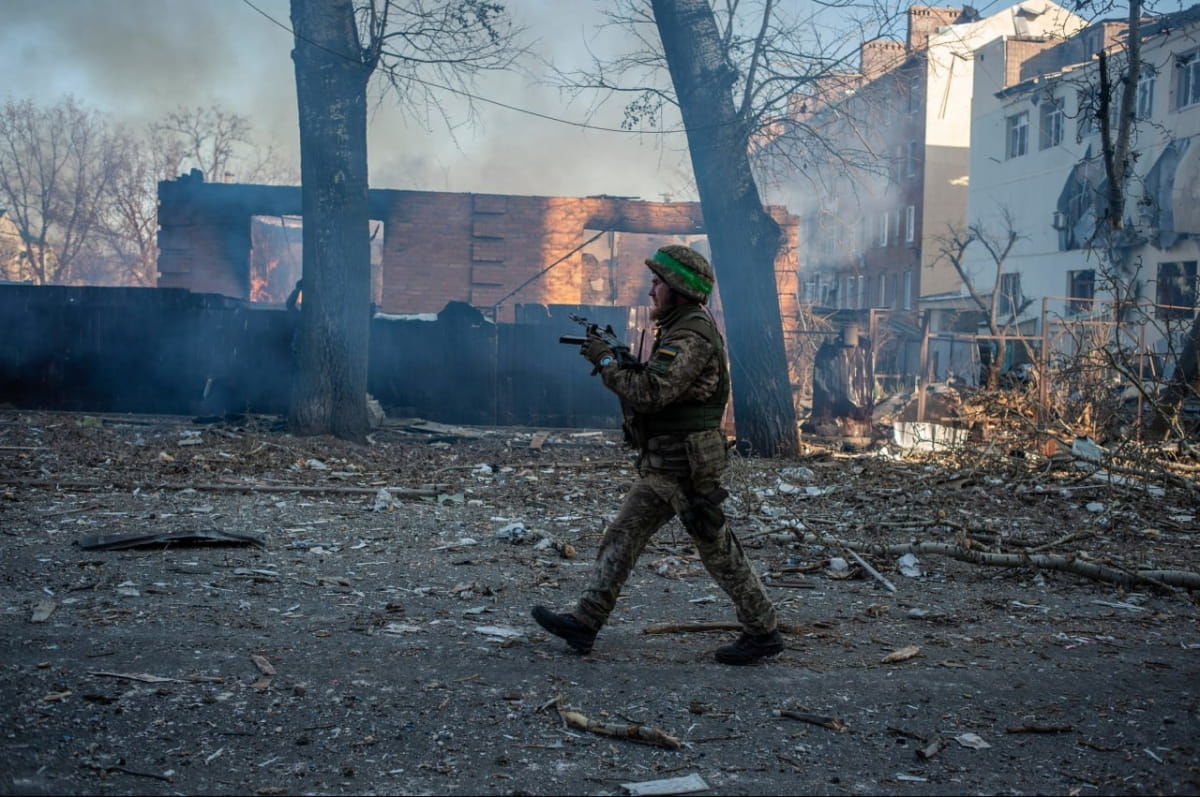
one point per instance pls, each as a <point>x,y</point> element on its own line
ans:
<point>910,224</point>
<point>1144,105</point>
<point>1010,293</point>
<point>1187,84</point>
<point>1051,121</point>
<point>1016,129</point>
<point>1077,302</point>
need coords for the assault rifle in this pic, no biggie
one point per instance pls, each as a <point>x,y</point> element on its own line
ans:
<point>625,358</point>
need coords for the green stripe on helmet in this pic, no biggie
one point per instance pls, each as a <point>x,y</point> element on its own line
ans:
<point>690,278</point>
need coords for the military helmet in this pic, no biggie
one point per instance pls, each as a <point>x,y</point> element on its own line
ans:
<point>684,269</point>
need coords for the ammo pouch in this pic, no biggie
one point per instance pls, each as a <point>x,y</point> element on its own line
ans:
<point>667,453</point>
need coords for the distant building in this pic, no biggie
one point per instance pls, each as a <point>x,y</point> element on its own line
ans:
<point>897,134</point>
<point>1037,154</point>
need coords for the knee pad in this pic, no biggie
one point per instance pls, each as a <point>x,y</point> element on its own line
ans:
<point>703,517</point>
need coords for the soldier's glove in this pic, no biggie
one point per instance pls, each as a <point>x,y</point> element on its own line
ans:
<point>595,350</point>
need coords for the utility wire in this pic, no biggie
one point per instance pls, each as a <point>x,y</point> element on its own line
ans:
<point>469,95</point>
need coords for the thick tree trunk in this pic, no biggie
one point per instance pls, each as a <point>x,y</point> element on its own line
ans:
<point>743,237</point>
<point>330,386</point>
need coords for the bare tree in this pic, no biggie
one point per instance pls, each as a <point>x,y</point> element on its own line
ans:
<point>1001,309</point>
<point>339,44</point>
<point>217,141</point>
<point>212,139</point>
<point>56,165</point>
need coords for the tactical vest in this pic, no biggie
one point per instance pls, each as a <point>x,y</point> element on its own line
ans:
<point>685,417</point>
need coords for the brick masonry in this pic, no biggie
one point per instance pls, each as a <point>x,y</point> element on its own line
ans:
<point>488,250</point>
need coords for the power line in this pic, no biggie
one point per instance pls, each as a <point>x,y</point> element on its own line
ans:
<point>469,95</point>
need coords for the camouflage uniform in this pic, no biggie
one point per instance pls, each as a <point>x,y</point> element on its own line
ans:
<point>679,471</point>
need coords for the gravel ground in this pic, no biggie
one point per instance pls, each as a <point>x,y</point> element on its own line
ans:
<point>381,644</point>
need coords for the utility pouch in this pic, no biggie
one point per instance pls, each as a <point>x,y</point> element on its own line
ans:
<point>707,458</point>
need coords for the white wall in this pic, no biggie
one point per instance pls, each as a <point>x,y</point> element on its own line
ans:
<point>1029,186</point>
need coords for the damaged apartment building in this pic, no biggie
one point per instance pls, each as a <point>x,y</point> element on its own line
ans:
<point>985,127</point>
<point>470,294</point>
<point>1037,161</point>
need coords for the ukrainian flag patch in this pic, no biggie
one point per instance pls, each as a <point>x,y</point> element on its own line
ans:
<point>662,359</point>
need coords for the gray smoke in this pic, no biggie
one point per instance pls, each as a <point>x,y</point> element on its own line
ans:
<point>139,59</point>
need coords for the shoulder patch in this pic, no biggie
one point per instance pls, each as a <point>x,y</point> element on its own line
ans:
<point>662,359</point>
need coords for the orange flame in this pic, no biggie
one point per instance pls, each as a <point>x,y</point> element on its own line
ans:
<point>260,290</point>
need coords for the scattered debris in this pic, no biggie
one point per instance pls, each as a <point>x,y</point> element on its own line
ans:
<point>135,676</point>
<point>499,632</point>
<point>209,537</point>
<point>910,566</point>
<point>264,666</point>
<point>972,740</point>
<point>903,654</point>
<point>42,611</point>
<point>632,731</point>
<point>889,586</point>
<point>686,784</point>
<point>1039,729</point>
<point>832,723</point>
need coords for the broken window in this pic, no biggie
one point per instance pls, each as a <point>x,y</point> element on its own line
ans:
<point>1081,290</point>
<point>277,258</point>
<point>1176,290</point>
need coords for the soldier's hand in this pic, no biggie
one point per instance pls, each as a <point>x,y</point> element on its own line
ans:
<point>595,350</point>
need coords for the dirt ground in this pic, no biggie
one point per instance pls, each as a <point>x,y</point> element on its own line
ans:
<point>381,644</point>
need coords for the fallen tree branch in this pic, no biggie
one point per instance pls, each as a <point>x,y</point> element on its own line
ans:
<point>889,586</point>
<point>1163,579</point>
<point>832,723</point>
<point>633,732</point>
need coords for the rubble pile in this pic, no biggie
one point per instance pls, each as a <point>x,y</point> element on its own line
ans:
<point>221,607</point>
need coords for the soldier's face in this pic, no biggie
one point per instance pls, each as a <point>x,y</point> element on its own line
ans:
<point>660,294</point>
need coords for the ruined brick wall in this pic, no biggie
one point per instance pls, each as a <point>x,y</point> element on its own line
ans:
<point>446,247</point>
<point>480,248</point>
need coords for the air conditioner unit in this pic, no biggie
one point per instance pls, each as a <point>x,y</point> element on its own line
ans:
<point>1059,220</point>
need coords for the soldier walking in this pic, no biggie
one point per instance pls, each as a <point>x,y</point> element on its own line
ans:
<point>673,410</point>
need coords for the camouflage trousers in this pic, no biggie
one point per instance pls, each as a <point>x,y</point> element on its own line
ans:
<point>653,500</point>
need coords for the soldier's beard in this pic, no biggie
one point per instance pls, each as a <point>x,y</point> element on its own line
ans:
<point>659,313</point>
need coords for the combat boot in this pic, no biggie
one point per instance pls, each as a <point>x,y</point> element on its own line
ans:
<point>749,648</point>
<point>577,635</point>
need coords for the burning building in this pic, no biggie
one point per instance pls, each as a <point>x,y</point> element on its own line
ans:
<point>493,252</point>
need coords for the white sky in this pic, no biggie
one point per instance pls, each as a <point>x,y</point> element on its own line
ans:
<point>139,59</point>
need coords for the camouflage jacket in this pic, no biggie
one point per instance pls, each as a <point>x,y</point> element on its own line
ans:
<point>683,367</point>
